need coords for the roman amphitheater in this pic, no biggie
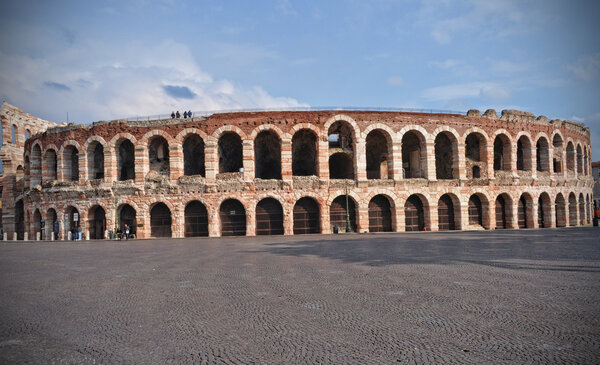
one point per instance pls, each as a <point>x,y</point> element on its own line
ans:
<point>293,172</point>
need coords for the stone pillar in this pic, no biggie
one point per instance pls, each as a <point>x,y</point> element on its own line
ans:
<point>286,161</point>
<point>360,161</point>
<point>325,222</point>
<point>5,236</point>
<point>534,213</point>
<point>214,222</point>
<point>83,167</point>
<point>433,218</point>
<point>248,160</point>
<point>362,217</point>
<point>514,218</point>
<point>288,221</point>
<point>491,213</point>
<point>323,158</point>
<point>37,236</point>
<point>211,162</point>
<point>14,236</point>
<point>533,154</point>
<point>26,236</point>
<point>176,162</point>
<point>428,163</point>
<point>250,223</point>
<point>552,218</point>
<point>397,161</point>
<point>141,164</point>
<point>87,234</point>
<point>489,151</point>
<point>110,165</point>
<point>178,223</point>
<point>461,162</point>
<point>52,238</point>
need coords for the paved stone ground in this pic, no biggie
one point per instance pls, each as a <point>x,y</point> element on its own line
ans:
<point>502,297</point>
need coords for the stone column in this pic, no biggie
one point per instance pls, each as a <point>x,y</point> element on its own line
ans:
<point>110,165</point>
<point>397,161</point>
<point>286,161</point>
<point>176,162</point>
<point>461,162</point>
<point>323,159</point>
<point>211,162</point>
<point>362,219</point>
<point>360,162</point>
<point>433,218</point>
<point>248,160</point>
<point>83,167</point>
<point>141,164</point>
<point>428,163</point>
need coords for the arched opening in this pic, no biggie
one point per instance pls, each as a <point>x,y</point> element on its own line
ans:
<point>341,150</point>
<point>475,155</point>
<point>52,224</point>
<point>72,222</point>
<point>341,166</point>
<point>97,222</point>
<point>572,210</point>
<point>269,217</point>
<point>13,134</point>
<point>20,219</point>
<point>581,210</point>
<point>579,160</point>
<point>542,153</point>
<point>126,160</point>
<point>446,213</point>
<point>158,155</point>
<point>307,216</point>
<point>95,159</point>
<point>445,161</point>
<point>380,214</point>
<point>71,164</point>
<point>378,154</point>
<point>26,172</point>
<point>233,218</point>
<point>127,215</point>
<point>585,161</point>
<point>524,211</point>
<point>560,211</point>
<point>413,155</point>
<point>27,134</point>
<point>230,153</point>
<point>588,210</point>
<point>475,211</point>
<point>503,211</point>
<point>544,211</point>
<point>36,166</point>
<point>267,155</point>
<point>36,225</point>
<point>20,179</point>
<point>337,213</point>
<point>570,157</point>
<point>50,171</point>
<point>304,153</point>
<point>523,154</point>
<point>502,152</point>
<point>193,155</point>
<point>557,153</point>
<point>414,214</point>
<point>196,219</point>
<point>160,220</point>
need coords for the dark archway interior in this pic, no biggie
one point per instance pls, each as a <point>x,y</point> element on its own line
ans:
<point>269,217</point>
<point>20,220</point>
<point>307,217</point>
<point>572,210</point>
<point>446,219</point>
<point>473,147</point>
<point>97,219</point>
<point>570,157</point>
<point>158,155</point>
<point>501,153</point>
<point>160,220</point>
<point>51,165</point>
<point>193,156</point>
<point>411,155</point>
<point>501,216</point>
<point>341,135</point>
<point>443,157</point>
<point>96,161</point>
<point>557,158</point>
<point>378,165</point>
<point>196,220</point>
<point>475,211</point>
<point>304,153</point>
<point>541,154</point>
<point>267,155</point>
<point>233,218</point>
<point>414,214</point>
<point>341,166</point>
<point>380,214</point>
<point>126,160</point>
<point>127,215</point>
<point>560,211</point>
<point>230,152</point>
<point>71,161</point>
<point>523,154</point>
<point>337,213</point>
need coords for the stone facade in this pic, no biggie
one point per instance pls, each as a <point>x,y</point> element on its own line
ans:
<point>596,175</point>
<point>287,172</point>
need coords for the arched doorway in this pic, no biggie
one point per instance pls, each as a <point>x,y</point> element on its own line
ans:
<point>560,211</point>
<point>269,217</point>
<point>72,221</point>
<point>160,220</point>
<point>544,211</point>
<point>233,218</point>
<point>475,211</point>
<point>267,155</point>
<point>304,153</point>
<point>196,220</point>
<point>501,213</point>
<point>307,217</point>
<point>446,220</point>
<point>380,214</point>
<point>572,210</point>
<point>36,225</point>
<point>337,213</point>
<point>97,222</point>
<point>414,214</point>
<point>127,215</point>
<point>522,212</point>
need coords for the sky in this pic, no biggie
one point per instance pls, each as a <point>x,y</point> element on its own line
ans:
<point>103,60</point>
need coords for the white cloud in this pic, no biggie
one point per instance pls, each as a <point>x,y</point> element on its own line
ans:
<point>395,81</point>
<point>485,90</point>
<point>103,81</point>
<point>587,67</point>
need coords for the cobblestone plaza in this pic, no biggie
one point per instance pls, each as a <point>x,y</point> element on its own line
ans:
<point>496,297</point>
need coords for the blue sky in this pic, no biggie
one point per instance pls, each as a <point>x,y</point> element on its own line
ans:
<point>101,60</point>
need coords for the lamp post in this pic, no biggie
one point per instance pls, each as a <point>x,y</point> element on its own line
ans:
<point>348,228</point>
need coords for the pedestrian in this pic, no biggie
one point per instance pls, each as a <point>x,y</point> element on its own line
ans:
<point>126,232</point>
<point>56,227</point>
<point>185,114</point>
<point>172,115</point>
<point>189,113</point>
<point>119,233</point>
<point>79,233</point>
<point>177,114</point>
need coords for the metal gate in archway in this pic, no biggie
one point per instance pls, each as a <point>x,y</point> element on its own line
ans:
<point>196,220</point>
<point>269,217</point>
<point>500,213</point>
<point>337,213</point>
<point>307,218</point>
<point>522,213</point>
<point>475,211</point>
<point>414,214</point>
<point>160,221</point>
<point>233,218</point>
<point>446,213</point>
<point>380,214</point>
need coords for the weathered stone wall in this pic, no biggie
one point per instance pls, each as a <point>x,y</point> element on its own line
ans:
<point>537,192</point>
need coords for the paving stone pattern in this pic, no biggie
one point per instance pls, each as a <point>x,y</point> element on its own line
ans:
<point>495,297</point>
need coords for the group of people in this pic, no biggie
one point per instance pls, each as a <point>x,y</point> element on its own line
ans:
<point>176,114</point>
<point>124,233</point>
<point>76,234</point>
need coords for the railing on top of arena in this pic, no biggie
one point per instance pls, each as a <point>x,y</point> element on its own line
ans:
<point>207,113</point>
